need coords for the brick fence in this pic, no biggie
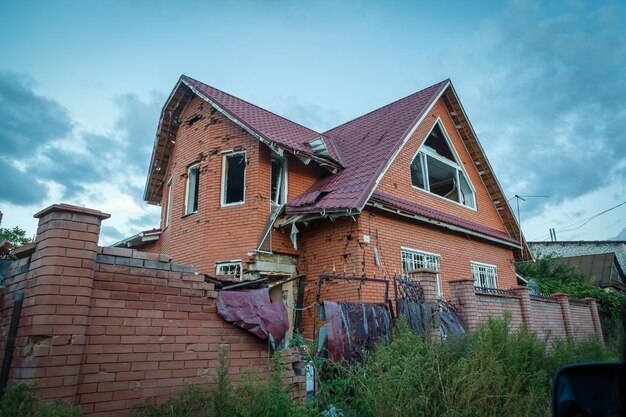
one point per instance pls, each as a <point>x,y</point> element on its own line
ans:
<point>105,328</point>
<point>555,316</point>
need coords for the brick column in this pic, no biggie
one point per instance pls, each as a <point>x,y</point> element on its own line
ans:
<point>428,279</point>
<point>563,300</point>
<point>57,298</point>
<point>463,296</point>
<point>527,314</point>
<point>595,317</point>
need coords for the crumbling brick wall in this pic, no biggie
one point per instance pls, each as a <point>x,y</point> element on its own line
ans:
<point>106,327</point>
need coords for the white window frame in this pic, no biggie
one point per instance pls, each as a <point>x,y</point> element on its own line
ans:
<point>225,156</point>
<point>490,271</point>
<point>228,264</point>
<point>195,165</point>
<point>422,153</point>
<point>168,209</point>
<point>433,256</point>
<point>285,181</point>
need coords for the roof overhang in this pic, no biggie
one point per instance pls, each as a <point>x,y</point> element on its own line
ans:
<point>139,239</point>
<point>444,225</point>
<point>167,129</point>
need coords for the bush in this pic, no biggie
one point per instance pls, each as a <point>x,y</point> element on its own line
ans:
<point>490,372</point>
<point>20,400</point>
<point>254,397</point>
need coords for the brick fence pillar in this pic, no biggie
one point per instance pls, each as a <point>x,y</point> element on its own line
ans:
<point>428,279</point>
<point>595,317</point>
<point>563,300</point>
<point>527,314</point>
<point>463,296</point>
<point>57,299</point>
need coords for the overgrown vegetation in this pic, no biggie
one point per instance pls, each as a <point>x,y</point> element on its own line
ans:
<point>253,397</point>
<point>554,277</point>
<point>489,372</point>
<point>20,401</point>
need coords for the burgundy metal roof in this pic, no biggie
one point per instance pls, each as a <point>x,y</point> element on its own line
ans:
<point>431,214</point>
<point>366,144</point>
<point>271,127</point>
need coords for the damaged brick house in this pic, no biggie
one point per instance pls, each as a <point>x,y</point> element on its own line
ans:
<point>249,194</point>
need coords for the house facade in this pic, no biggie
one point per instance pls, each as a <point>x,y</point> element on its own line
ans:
<point>246,193</point>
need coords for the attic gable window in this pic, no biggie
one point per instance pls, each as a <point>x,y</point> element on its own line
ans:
<point>436,169</point>
<point>278,186</point>
<point>318,146</point>
<point>233,178</point>
<point>193,186</point>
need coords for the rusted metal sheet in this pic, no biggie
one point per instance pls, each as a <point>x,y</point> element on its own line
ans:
<point>352,328</point>
<point>410,304</point>
<point>447,319</point>
<point>253,311</point>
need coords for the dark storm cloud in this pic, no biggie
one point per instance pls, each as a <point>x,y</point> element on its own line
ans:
<point>20,188</point>
<point>553,83</point>
<point>27,120</point>
<point>37,132</point>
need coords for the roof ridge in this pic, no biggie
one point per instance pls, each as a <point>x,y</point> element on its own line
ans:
<point>387,105</point>
<point>249,103</point>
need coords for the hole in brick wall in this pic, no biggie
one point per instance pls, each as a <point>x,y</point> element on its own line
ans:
<point>193,119</point>
<point>349,237</point>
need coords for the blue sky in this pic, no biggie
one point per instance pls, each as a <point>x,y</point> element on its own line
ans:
<point>82,85</point>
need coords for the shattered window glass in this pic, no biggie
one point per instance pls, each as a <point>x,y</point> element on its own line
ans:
<point>234,178</point>
<point>278,185</point>
<point>193,185</point>
<point>435,169</point>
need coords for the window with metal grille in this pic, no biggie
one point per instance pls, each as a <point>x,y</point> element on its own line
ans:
<point>413,259</point>
<point>229,268</point>
<point>485,275</point>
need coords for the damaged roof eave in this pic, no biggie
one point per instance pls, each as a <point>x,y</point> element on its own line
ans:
<point>445,225</point>
<point>331,164</point>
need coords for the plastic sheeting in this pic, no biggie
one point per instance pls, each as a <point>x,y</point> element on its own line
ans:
<point>253,311</point>
<point>353,327</point>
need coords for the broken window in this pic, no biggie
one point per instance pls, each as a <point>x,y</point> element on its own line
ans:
<point>168,208</point>
<point>234,178</point>
<point>229,268</point>
<point>414,259</point>
<point>436,169</point>
<point>278,192</point>
<point>485,275</point>
<point>193,187</point>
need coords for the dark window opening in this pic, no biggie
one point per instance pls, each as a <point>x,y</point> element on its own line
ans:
<point>278,189</point>
<point>234,178</point>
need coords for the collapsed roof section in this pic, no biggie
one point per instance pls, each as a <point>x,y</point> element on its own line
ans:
<point>278,133</point>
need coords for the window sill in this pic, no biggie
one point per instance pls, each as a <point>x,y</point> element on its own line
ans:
<point>233,204</point>
<point>444,199</point>
<point>188,214</point>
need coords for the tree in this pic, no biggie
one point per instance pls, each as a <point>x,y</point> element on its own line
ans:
<point>554,277</point>
<point>16,238</point>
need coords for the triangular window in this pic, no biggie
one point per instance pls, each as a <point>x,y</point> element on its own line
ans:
<point>436,169</point>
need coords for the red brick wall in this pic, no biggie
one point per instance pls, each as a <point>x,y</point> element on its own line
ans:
<point>548,320</point>
<point>494,305</point>
<point>106,327</point>
<point>397,180</point>
<point>216,233</point>
<point>582,320</point>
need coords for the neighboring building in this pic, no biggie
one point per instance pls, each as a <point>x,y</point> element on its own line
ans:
<point>247,193</point>
<point>602,261</point>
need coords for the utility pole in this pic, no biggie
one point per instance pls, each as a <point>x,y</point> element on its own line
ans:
<point>519,216</point>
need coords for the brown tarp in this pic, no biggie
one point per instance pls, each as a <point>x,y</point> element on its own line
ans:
<point>253,311</point>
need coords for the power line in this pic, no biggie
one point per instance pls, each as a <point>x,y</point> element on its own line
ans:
<point>586,220</point>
